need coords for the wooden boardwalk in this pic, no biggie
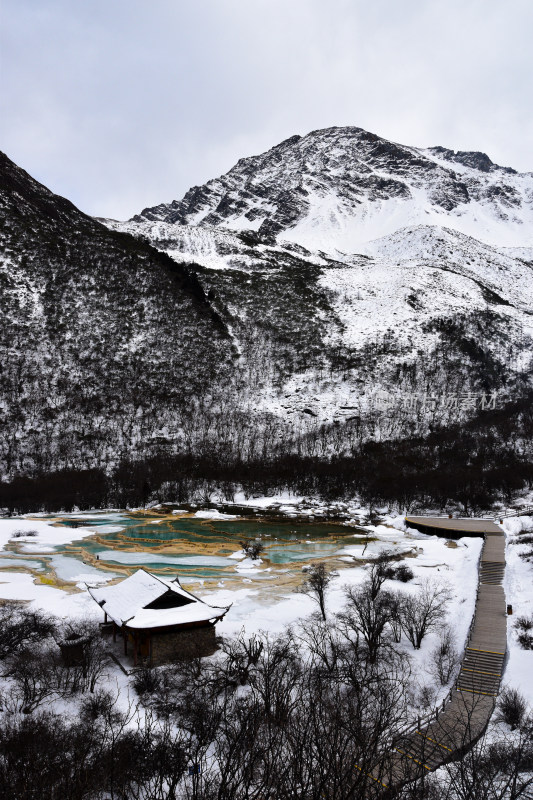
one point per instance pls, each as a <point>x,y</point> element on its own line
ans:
<point>448,735</point>
<point>454,527</point>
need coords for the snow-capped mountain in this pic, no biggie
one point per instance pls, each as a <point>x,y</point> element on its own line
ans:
<point>407,248</point>
<point>337,289</point>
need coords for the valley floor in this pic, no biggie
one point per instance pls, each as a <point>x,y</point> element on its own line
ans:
<point>272,605</point>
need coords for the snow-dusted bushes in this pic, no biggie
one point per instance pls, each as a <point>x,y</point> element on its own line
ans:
<point>20,627</point>
<point>524,629</point>
<point>284,716</point>
<point>511,708</point>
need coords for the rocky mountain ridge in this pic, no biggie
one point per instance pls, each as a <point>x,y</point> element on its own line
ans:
<point>338,188</point>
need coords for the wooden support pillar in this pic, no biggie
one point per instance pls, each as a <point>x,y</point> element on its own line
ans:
<point>105,617</point>
<point>150,648</point>
<point>125,642</point>
<point>135,647</point>
<point>114,632</point>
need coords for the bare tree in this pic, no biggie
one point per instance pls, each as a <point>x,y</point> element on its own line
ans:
<point>34,675</point>
<point>321,640</point>
<point>367,617</point>
<point>395,601</point>
<point>316,585</point>
<point>242,654</point>
<point>420,613</point>
<point>20,626</point>
<point>379,571</point>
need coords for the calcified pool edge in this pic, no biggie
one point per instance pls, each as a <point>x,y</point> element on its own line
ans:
<point>199,548</point>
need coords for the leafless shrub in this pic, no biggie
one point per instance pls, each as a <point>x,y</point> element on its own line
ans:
<point>146,681</point>
<point>384,568</point>
<point>524,628</point>
<point>20,626</point>
<point>20,533</point>
<point>445,658</point>
<point>524,623</point>
<point>525,641</point>
<point>511,708</point>
<point>100,704</point>
<point>425,698</point>
<point>403,573</point>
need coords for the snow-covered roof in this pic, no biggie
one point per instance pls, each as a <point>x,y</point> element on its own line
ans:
<point>147,601</point>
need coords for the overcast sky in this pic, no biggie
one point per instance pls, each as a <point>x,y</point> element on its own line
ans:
<point>123,104</point>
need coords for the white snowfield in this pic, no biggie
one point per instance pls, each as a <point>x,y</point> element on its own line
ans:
<point>445,270</point>
<point>346,187</point>
<point>332,225</point>
<point>518,585</point>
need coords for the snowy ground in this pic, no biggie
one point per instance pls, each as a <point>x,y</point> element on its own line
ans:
<point>256,607</point>
<point>38,536</point>
<point>518,584</point>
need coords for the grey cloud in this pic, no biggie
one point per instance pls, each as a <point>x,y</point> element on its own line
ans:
<point>126,104</point>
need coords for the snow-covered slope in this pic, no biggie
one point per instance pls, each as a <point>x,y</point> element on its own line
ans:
<point>100,332</point>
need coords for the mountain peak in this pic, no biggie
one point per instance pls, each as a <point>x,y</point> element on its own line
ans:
<point>336,189</point>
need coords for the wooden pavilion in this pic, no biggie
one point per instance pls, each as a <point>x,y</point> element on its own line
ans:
<point>159,619</point>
